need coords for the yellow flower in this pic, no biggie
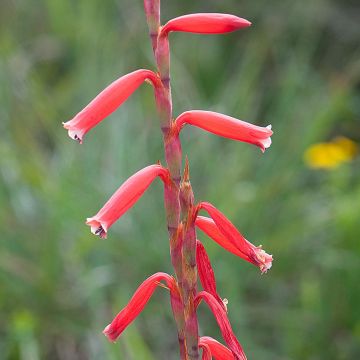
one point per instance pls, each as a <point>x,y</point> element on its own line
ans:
<point>329,155</point>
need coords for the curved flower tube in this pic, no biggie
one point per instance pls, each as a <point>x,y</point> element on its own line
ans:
<point>226,126</point>
<point>254,254</point>
<point>138,302</point>
<point>125,197</point>
<point>107,102</point>
<point>209,227</point>
<point>206,273</point>
<point>218,350</point>
<point>205,23</point>
<point>223,322</point>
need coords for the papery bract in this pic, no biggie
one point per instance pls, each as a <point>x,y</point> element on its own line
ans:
<point>256,254</point>
<point>125,197</point>
<point>205,23</point>
<point>223,322</point>
<point>206,273</point>
<point>226,126</point>
<point>218,350</point>
<point>107,102</point>
<point>137,303</point>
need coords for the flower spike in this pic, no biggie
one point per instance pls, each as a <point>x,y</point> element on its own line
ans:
<point>125,197</point>
<point>218,350</point>
<point>223,322</point>
<point>226,126</point>
<point>255,254</point>
<point>107,102</point>
<point>205,23</point>
<point>206,273</point>
<point>137,303</point>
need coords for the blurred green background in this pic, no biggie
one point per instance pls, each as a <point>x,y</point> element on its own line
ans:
<point>297,67</point>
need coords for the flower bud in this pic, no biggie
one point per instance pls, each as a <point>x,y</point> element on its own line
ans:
<point>205,23</point>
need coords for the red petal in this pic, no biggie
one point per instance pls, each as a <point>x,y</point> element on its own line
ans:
<point>227,127</point>
<point>125,197</point>
<point>137,304</point>
<point>209,227</point>
<point>206,273</point>
<point>224,324</point>
<point>107,102</point>
<point>206,23</point>
<point>206,352</point>
<point>255,254</point>
<point>218,350</point>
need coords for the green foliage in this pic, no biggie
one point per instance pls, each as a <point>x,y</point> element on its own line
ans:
<point>296,68</point>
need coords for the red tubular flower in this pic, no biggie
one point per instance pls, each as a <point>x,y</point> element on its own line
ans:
<point>254,254</point>
<point>218,350</point>
<point>206,273</point>
<point>137,304</point>
<point>205,24</point>
<point>209,227</point>
<point>125,197</point>
<point>226,126</point>
<point>107,102</point>
<point>223,322</point>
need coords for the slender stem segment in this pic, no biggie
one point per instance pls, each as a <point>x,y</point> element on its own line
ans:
<point>180,221</point>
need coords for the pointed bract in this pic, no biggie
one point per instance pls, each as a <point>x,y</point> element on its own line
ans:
<point>125,197</point>
<point>227,126</point>
<point>107,102</point>
<point>205,23</point>
<point>137,304</point>
<point>254,254</point>
<point>223,322</point>
<point>218,350</point>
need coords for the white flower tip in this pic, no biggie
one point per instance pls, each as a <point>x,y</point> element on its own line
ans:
<point>269,127</point>
<point>265,144</point>
<point>75,135</point>
<point>97,228</point>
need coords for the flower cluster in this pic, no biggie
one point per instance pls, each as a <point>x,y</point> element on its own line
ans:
<point>188,254</point>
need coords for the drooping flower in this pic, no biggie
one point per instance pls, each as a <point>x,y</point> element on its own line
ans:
<point>206,273</point>
<point>226,126</point>
<point>125,197</point>
<point>208,226</point>
<point>254,254</point>
<point>218,350</point>
<point>223,322</point>
<point>205,23</point>
<point>138,302</point>
<point>107,102</point>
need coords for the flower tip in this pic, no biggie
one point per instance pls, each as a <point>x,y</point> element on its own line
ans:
<point>97,228</point>
<point>107,332</point>
<point>265,260</point>
<point>74,134</point>
<point>246,23</point>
